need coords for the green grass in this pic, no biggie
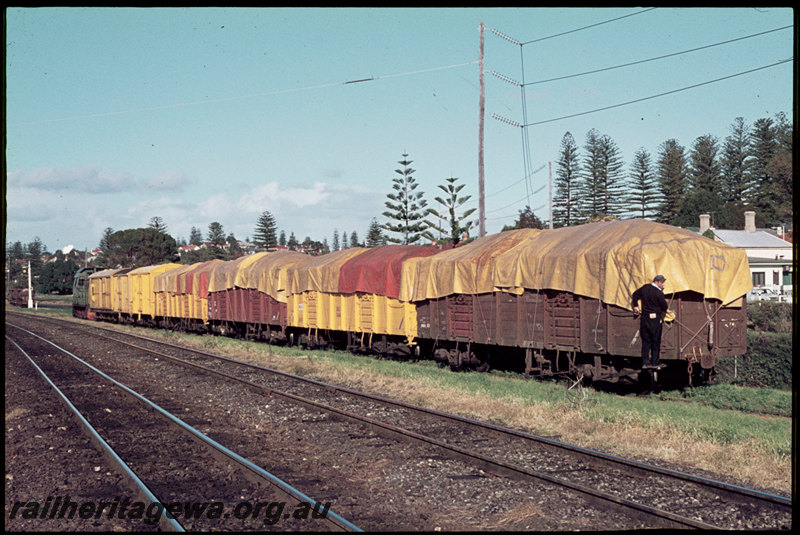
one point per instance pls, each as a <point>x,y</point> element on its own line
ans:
<point>722,414</point>
<point>54,305</point>
<point>700,418</point>
<point>767,401</point>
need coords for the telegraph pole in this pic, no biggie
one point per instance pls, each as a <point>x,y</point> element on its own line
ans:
<point>30,287</point>
<point>550,183</point>
<point>481,106</point>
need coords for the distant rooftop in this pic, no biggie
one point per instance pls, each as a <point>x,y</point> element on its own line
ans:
<point>746,239</point>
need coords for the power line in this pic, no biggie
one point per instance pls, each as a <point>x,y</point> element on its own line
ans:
<point>648,59</point>
<point>526,154</point>
<point>586,27</point>
<point>517,182</point>
<point>507,206</point>
<point>524,178</point>
<point>658,95</point>
<point>242,97</point>
<point>526,151</point>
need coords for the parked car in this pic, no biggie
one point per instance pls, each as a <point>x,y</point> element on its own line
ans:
<point>764,294</point>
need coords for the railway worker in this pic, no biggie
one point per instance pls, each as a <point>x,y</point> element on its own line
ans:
<point>653,309</point>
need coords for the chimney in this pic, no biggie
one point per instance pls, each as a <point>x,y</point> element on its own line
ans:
<point>750,221</point>
<point>705,222</point>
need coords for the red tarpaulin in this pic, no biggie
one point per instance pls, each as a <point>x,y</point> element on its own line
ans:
<point>378,270</point>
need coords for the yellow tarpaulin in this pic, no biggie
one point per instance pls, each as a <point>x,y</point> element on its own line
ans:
<point>321,274</point>
<point>223,276</point>
<point>168,280</point>
<point>606,261</point>
<point>268,273</point>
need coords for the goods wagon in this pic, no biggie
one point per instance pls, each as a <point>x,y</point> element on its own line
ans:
<point>230,306</point>
<point>372,281</point>
<point>315,306</point>
<point>250,300</point>
<point>101,294</point>
<point>18,296</point>
<point>120,293</point>
<point>560,300</point>
<point>141,293</point>
<point>182,295</point>
<point>350,299</point>
<point>165,288</point>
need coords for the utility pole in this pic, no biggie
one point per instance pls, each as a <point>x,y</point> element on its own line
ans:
<point>30,287</point>
<point>550,182</point>
<point>481,106</point>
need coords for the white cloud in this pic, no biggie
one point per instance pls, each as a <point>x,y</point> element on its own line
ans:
<point>169,181</point>
<point>273,197</point>
<point>77,216</point>
<point>216,208</point>
<point>84,179</point>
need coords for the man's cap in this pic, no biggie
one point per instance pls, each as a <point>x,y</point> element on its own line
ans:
<point>659,278</point>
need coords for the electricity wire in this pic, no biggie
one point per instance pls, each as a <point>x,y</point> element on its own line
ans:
<point>659,94</point>
<point>242,97</point>
<point>523,127</point>
<point>656,58</point>
<point>586,27</point>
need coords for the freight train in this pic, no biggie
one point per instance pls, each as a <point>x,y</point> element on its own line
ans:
<point>546,302</point>
<point>19,296</point>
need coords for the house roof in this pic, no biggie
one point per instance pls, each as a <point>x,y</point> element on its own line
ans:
<point>754,260</point>
<point>745,239</point>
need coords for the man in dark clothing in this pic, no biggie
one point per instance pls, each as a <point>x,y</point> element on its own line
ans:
<point>653,308</point>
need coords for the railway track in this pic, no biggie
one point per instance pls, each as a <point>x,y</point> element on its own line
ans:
<point>654,496</point>
<point>51,461</point>
<point>183,478</point>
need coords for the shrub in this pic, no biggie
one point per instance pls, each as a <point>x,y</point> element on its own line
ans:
<point>767,363</point>
<point>770,317</point>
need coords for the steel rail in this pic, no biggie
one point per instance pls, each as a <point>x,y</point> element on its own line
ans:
<point>141,490</point>
<point>246,465</point>
<point>639,511</point>
<point>726,490</point>
<point>730,491</point>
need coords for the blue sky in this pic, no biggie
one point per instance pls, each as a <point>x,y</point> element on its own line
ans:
<point>196,115</point>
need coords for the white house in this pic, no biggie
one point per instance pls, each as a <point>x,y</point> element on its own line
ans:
<point>770,257</point>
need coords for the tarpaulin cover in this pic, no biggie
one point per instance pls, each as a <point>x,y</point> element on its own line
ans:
<point>198,279</point>
<point>322,273</point>
<point>159,268</point>
<point>104,273</point>
<point>268,273</point>
<point>464,270</point>
<point>181,280</point>
<point>168,281</point>
<point>223,276</point>
<point>379,270</point>
<point>606,261</point>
